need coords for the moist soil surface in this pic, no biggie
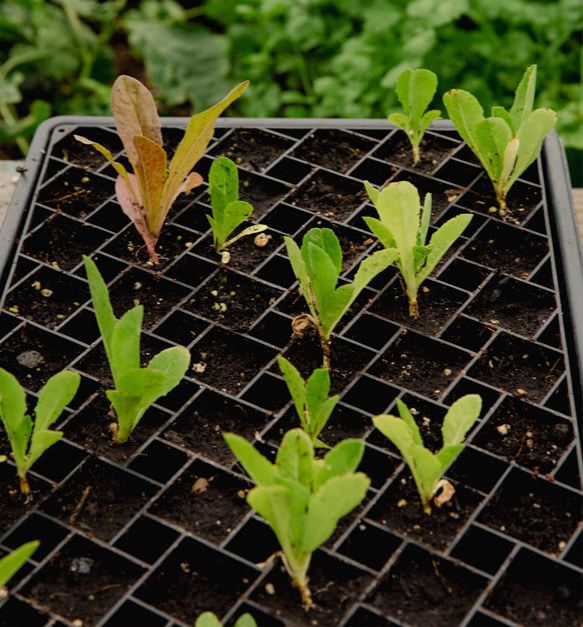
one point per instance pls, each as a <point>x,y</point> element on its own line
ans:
<point>251,149</point>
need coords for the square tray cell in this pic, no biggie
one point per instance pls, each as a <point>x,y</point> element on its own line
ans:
<point>420,364</point>
<point>467,333</point>
<point>515,305</point>
<point>336,150</point>
<point>370,545</point>
<point>100,499</point>
<point>519,367</point>
<point>433,150</point>
<point>72,151</point>
<point>261,192</point>
<point>204,500</point>
<point>47,297</point>
<point>289,170</point>
<point>482,549</point>
<point>232,299</point>
<point>254,541</point>
<point>507,249</point>
<point>423,589</point>
<point>76,192</point>
<point>437,304</point>
<point>458,172</point>
<point>252,149</point>
<point>147,539</point>
<point>199,427</point>
<point>536,591</point>
<point>33,355</point>
<point>195,578</point>
<point>534,510</point>
<point>526,434</point>
<point>330,195</point>
<point>82,581</point>
<point>331,602</point>
<point>61,241</point>
<point>228,361</point>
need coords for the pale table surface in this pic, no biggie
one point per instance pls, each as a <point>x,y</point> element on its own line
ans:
<point>9,176</point>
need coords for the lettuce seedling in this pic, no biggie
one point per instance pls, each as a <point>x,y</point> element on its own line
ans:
<point>507,142</point>
<point>317,267</point>
<point>415,90</point>
<point>310,398</point>
<point>147,194</point>
<point>427,467</point>
<point>404,227</point>
<point>28,439</point>
<point>228,211</point>
<point>136,388</point>
<point>10,564</point>
<point>302,498</point>
<point>209,619</point>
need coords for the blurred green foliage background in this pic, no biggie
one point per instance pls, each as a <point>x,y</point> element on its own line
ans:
<point>305,58</point>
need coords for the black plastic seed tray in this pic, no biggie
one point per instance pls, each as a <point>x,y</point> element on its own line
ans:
<point>158,530</point>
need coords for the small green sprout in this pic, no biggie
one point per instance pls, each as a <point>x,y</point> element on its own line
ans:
<point>427,467</point>
<point>415,90</point>
<point>228,211</point>
<point>403,226</point>
<point>10,564</point>
<point>317,267</point>
<point>507,142</point>
<point>209,619</point>
<point>136,388</point>
<point>147,194</point>
<point>302,498</point>
<point>27,440</point>
<point>310,398</point>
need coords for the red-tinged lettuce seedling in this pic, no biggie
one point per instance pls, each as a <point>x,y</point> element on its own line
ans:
<point>507,142</point>
<point>404,227</point>
<point>10,564</point>
<point>302,498</point>
<point>28,439</point>
<point>415,90</point>
<point>427,467</point>
<point>317,266</point>
<point>209,619</point>
<point>228,211</point>
<point>310,398</point>
<point>147,194</point>
<point>135,388</point>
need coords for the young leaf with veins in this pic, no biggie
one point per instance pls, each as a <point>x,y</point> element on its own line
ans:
<point>147,194</point>
<point>228,211</point>
<point>404,227</point>
<point>135,388</point>
<point>425,466</point>
<point>302,498</point>
<point>10,564</point>
<point>415,90</point>
<point>317,266</point>
<point>310,398</point>
<point>29,440</point>
<point>507,142</point>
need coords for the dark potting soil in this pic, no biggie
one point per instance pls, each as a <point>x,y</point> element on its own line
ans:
<point>82,581</point>
<point>200,426</point>
<point>432,151</point>
<point>205,500</point>
<point>399,509</point>
<point>333,149</point>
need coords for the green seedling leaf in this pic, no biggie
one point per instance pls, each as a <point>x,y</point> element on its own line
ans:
<point>302,498</point>
<point>228,212</point>
<point>147,194</point>
<point>310,398</point>
<point>10,564</point>
<point>425,466</point>
<point>508,142</point>
<point>415,90</point>
<point>317,266</point>
<point>136,388</point>
<point>404,227</point>
<point>27,441</point>
<point>208,619</point>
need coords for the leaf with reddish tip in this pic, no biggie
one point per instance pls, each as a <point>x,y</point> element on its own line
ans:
<point>135,113</point>
<point>198,133</point>
<point>151,174</point>
<point>194,180</point>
